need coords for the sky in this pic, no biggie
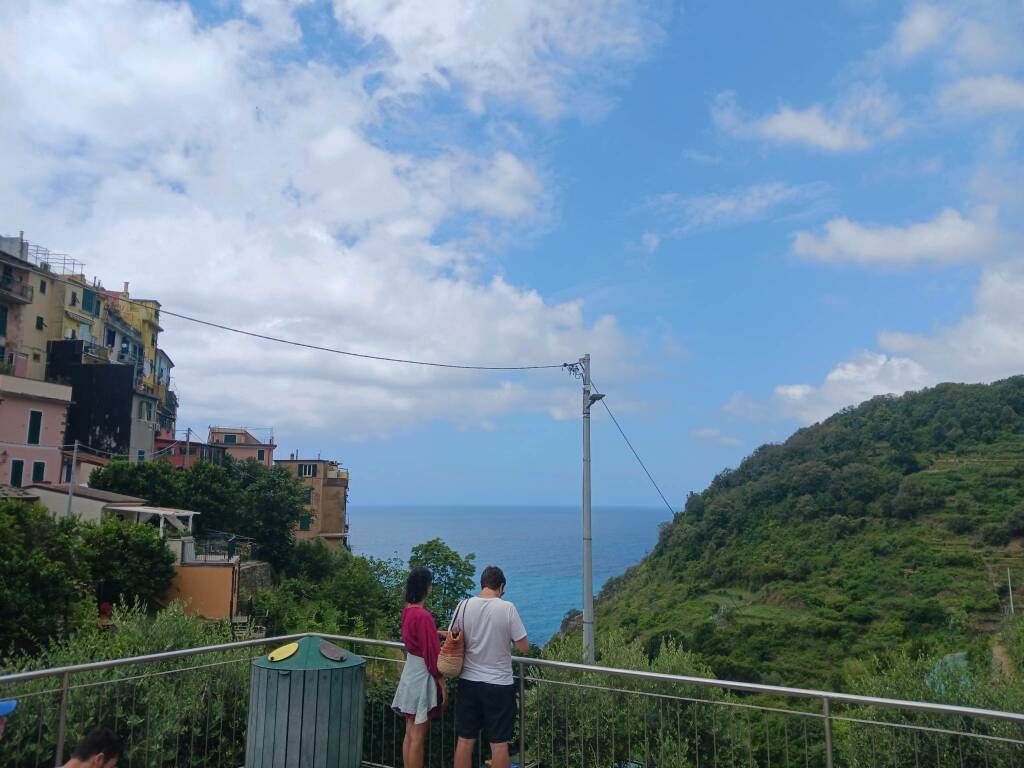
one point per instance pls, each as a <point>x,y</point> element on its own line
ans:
<point>751,215</point>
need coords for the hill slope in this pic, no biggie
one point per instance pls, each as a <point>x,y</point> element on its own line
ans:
<point>888,526</point>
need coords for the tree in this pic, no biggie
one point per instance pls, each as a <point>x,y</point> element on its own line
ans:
<point>271,505</point>
<point>453,576</point>
<point>157,482</point>
<point>314,561</point>
<point>128,561</point>
<point>44,578</point>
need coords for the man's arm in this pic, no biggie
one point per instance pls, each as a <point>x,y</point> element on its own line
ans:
<point>518,632</point>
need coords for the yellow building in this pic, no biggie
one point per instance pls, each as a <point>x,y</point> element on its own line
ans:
<point>144,316</point>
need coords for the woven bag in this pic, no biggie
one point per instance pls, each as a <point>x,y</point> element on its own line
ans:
<point>453,650</point>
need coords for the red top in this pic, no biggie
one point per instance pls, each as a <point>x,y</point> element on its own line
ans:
<point>419,633</point>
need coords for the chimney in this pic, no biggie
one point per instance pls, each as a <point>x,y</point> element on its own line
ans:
<point>126,286</point>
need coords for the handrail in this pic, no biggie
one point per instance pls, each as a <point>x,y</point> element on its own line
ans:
<point>656,677</point>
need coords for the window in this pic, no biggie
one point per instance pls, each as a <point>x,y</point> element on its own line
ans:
<point>111,338</point>
<point>3,320</point>
<point>261,455</point>
<point>91,302</point>
<point>38,471</point>
<point>230,439</point>
<point>67,473</point>
<point>307,470</point>
<point>145,410</point>
<point>39,323</point>
<point>17,467</point>
<point>142,454</point>
<point>36,357</point>
<point>42,286</point>
<point>308,497</point>
<point>74,299</point>
<point>35,426</point>
<point>303,522</point>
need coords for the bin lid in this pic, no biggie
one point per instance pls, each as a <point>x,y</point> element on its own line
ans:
<point>309,653</point>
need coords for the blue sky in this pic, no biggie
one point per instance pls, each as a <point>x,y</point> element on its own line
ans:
<point>751,215</point>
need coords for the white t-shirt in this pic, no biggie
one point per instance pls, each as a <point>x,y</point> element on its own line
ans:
<point>491,626</point>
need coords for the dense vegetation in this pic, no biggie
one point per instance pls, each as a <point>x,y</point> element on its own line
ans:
<point>243,498</point>
<point>54,573</point>
<point>886,528</point>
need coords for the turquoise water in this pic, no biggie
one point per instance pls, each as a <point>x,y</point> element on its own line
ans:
<point>539,548</point>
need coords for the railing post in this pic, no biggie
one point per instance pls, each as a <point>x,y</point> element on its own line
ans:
<point>522,715</point>
<point>826,710</point>
<point>63,722</point>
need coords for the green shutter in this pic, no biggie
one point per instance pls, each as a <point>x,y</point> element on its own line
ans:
<point>3,321</point>
<point>17,468</point>
<point>303,521</point>
<point>35,425</point>
<point>38,471</point>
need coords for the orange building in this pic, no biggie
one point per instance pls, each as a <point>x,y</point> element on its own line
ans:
<point>326,499</point>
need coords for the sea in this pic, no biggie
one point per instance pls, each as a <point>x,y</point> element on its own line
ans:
<point>539,548</point>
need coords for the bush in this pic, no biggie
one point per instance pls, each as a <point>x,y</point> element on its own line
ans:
<point>995,534</point>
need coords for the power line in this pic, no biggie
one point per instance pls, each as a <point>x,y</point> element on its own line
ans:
<point>604,402</point>
<point>347,353</point>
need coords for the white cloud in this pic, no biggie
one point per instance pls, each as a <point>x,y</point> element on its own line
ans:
<point>650,242</point>
<point>924,26</point>
<point>986,345</point>
<point>532,52</point>
<point>983,95</point>
<point>949,237</point>
<point>860,118</point>
<point>715,435</point>
<point>682,214</point>
<point>254,189</point>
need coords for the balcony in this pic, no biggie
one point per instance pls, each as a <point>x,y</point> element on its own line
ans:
<point>16,290</point>
<point>190,707</point>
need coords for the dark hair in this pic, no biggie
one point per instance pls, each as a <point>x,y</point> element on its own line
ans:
<point>492,578</point>
<point>417,584</point>
<point>100,741</point>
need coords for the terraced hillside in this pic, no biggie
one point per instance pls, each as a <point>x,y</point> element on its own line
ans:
<point>889,526</point>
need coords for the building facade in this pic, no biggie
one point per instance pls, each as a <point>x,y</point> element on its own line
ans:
<point>240,444</point>
<point>111,413</point>
<point>326,499</point>
<point>33,418</point>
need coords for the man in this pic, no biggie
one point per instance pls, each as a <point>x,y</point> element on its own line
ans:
<point>101,748</point>
<point>6,710</point>
<point>487,693</point>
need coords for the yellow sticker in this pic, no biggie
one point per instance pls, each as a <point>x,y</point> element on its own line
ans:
<point>282,653</point>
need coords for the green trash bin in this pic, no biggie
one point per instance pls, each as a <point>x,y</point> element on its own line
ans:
<point>306,707</point>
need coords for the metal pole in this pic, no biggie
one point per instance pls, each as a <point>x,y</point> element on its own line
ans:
<point>71,479</point>
<point>826,709</point>
<point>588,561</point>
<point>188,448</point>
<point>63,722</point>
<point>1009,588</point>
<point>522,715</point>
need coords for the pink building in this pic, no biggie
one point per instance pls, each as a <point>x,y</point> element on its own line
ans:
<point>32,418</point>
<point>241,444</point>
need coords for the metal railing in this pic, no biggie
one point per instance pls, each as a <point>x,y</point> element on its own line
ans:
<point>190,707</point>
<point>16,289</point>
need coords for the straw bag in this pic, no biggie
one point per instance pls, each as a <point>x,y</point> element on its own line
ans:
<point>453,650</point>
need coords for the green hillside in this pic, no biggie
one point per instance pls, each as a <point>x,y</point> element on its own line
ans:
<point>887,527</point>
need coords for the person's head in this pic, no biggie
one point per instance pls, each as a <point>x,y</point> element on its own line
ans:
<point>417,586</point>
<point>100,748</point>
<point>6,710</point>
<point>493,579</point>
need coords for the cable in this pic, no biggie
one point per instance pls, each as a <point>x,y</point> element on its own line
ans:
<point>604,402</point>
<point>332,350</point>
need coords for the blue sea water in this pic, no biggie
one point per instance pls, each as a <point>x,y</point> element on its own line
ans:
<point>539,548</point>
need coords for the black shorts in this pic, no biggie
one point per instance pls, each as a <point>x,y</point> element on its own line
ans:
<point>485,707</point>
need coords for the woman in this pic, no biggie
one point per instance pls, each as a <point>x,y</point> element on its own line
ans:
<point>422,692</point>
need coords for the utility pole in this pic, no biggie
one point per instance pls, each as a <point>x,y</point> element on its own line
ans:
<point>588,555</point>
<point>71,479</point>
<point>188,448</point>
